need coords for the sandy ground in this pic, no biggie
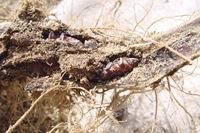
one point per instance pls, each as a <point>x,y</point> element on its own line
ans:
<point>86,13</point>
<point>178,111</point>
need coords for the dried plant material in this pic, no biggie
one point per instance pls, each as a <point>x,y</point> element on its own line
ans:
<point>55,72</point>
<point>84,65</point>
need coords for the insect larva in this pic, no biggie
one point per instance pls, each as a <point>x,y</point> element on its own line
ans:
<point>119,67</point>
<point>71,40</point>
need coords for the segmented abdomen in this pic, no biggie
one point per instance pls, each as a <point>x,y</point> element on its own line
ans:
<point>119,67</point>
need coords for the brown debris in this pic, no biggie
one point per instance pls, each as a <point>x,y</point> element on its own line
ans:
<point>31,53</point>
<point>37,62</point>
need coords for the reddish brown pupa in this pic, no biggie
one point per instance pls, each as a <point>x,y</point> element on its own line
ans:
<point>71,40</point>
<point>119,67</point>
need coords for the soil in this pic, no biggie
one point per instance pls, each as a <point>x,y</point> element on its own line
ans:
<point>27,52</point>
<point>29,55</point>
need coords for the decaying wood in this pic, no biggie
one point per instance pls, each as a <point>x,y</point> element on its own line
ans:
<point>28,54</point>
